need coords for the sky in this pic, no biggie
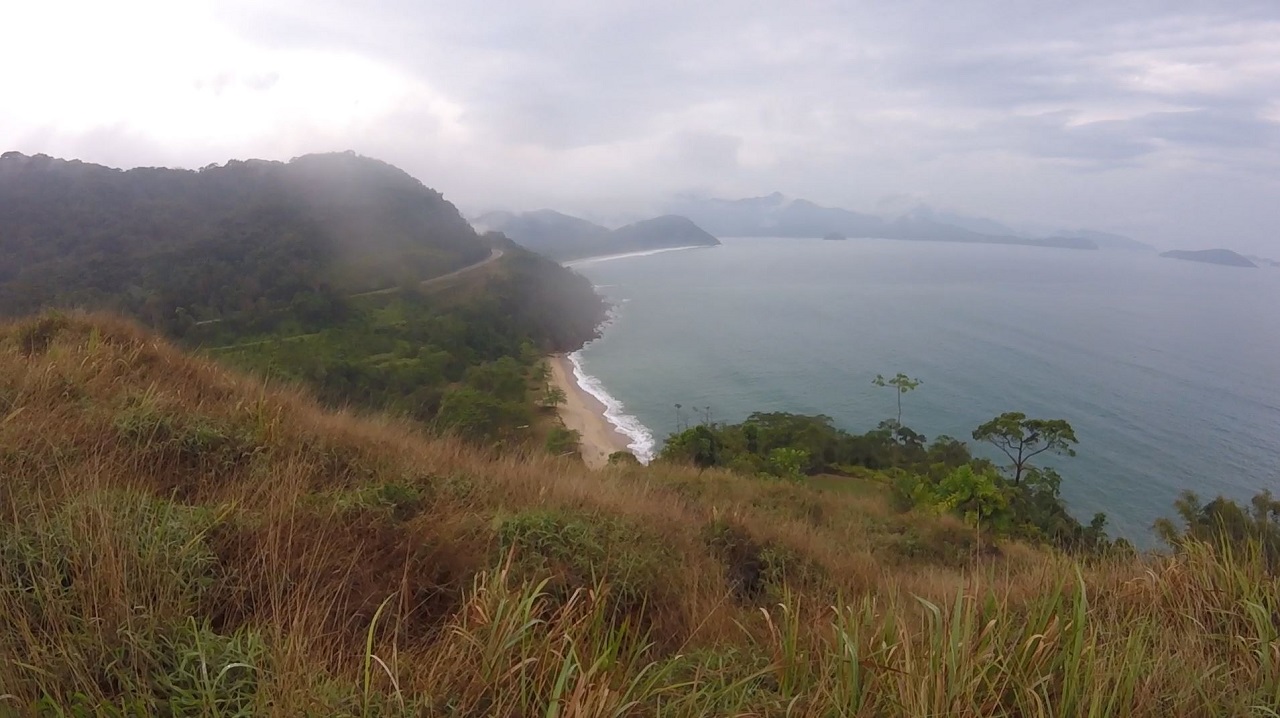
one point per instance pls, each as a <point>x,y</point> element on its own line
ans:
<point>1159,119</point>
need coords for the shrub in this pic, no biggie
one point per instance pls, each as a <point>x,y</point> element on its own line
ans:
<point>562,441</point>
<point>575,550</point>
<point>756,570</point>
<point>36,336</point>
<point>623,458</point>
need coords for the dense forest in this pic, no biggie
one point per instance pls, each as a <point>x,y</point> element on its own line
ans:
<point>224,240</point>
<point>317,270</point>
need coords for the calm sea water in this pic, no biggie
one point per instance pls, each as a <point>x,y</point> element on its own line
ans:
<point>1168,370</point>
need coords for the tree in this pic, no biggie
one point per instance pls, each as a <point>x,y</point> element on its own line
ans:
<point>699,446</point>
<point>554,396</point>
<point>1225,523</point>
<point>562,441</point>
<point>1022,439</point>
<point>901,385</point>
<point>974,495</point>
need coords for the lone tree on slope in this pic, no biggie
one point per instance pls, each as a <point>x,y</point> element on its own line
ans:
<point>1021,438</point>
<point>901,385</point>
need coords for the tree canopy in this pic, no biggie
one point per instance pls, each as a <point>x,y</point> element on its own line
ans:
<point>1022,439</point>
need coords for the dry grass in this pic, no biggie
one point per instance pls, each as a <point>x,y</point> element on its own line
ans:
<point>182,540</point>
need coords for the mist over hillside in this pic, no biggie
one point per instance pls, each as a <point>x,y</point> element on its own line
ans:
<point>151,241</point>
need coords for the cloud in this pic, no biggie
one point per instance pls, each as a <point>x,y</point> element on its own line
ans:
<point>1030,111</point>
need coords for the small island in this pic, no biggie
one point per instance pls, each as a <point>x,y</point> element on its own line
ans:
<point>834,236</point>
<point>1225,257</point>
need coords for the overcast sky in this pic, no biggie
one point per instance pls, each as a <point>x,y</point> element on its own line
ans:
<point>1159,118</point>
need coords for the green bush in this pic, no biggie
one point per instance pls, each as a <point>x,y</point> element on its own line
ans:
<point>575,549</point>
<point>191,440</point>
<point>562,441</point>
<point>757,571</point>
<point>623,458</point>
<point>35,336</point>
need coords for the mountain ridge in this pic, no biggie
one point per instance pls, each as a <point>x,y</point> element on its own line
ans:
<point>774,215</point>
<point>155,240</point>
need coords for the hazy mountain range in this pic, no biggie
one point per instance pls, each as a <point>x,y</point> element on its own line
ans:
<point>776,215</point>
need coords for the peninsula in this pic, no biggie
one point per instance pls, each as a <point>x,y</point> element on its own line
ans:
<point>1225,257</point>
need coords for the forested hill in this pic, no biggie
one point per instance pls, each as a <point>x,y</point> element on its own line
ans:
<point>246,235</point>
<point>563,237</point>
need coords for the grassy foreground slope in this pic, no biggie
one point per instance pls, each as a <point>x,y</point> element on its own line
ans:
<point>178,539</point>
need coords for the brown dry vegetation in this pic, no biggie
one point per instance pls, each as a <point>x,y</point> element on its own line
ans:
<point>178,539</point>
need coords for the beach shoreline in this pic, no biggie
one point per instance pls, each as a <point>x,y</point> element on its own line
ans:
<point>585,414</point>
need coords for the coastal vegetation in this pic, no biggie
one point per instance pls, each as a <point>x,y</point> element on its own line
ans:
<point>943,477</point>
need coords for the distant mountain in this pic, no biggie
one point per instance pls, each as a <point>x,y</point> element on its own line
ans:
<point>1107,240</point>
<point>776,216</point>
<point>1262,261</point>
<point>1224,257</point>
<point>754,216</point>
<point>928,230</point>
<point>563,237</point>
<point>661,232</point>
<point>981,225</point>
<point>549,233</point>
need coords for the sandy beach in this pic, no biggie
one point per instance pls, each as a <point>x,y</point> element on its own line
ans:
<point>584,414</point>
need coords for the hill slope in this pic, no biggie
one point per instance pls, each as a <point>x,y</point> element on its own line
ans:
<point>661,233</point>
<point>247,235</point>
<point>181,539</point>
<point>309,270</point>
<point>563,237</point>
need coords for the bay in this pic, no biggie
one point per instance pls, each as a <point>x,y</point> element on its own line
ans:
<point>1168,370</point>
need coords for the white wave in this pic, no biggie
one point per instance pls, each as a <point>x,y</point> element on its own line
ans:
<point>611,257</point>
<point>642,443</point>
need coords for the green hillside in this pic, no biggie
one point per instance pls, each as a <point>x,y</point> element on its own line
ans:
<point>165,244</point>
<point>180,539</point>
<point>335,271</point>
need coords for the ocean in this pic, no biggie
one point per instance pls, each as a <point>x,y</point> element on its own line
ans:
<point>1168,370</point>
